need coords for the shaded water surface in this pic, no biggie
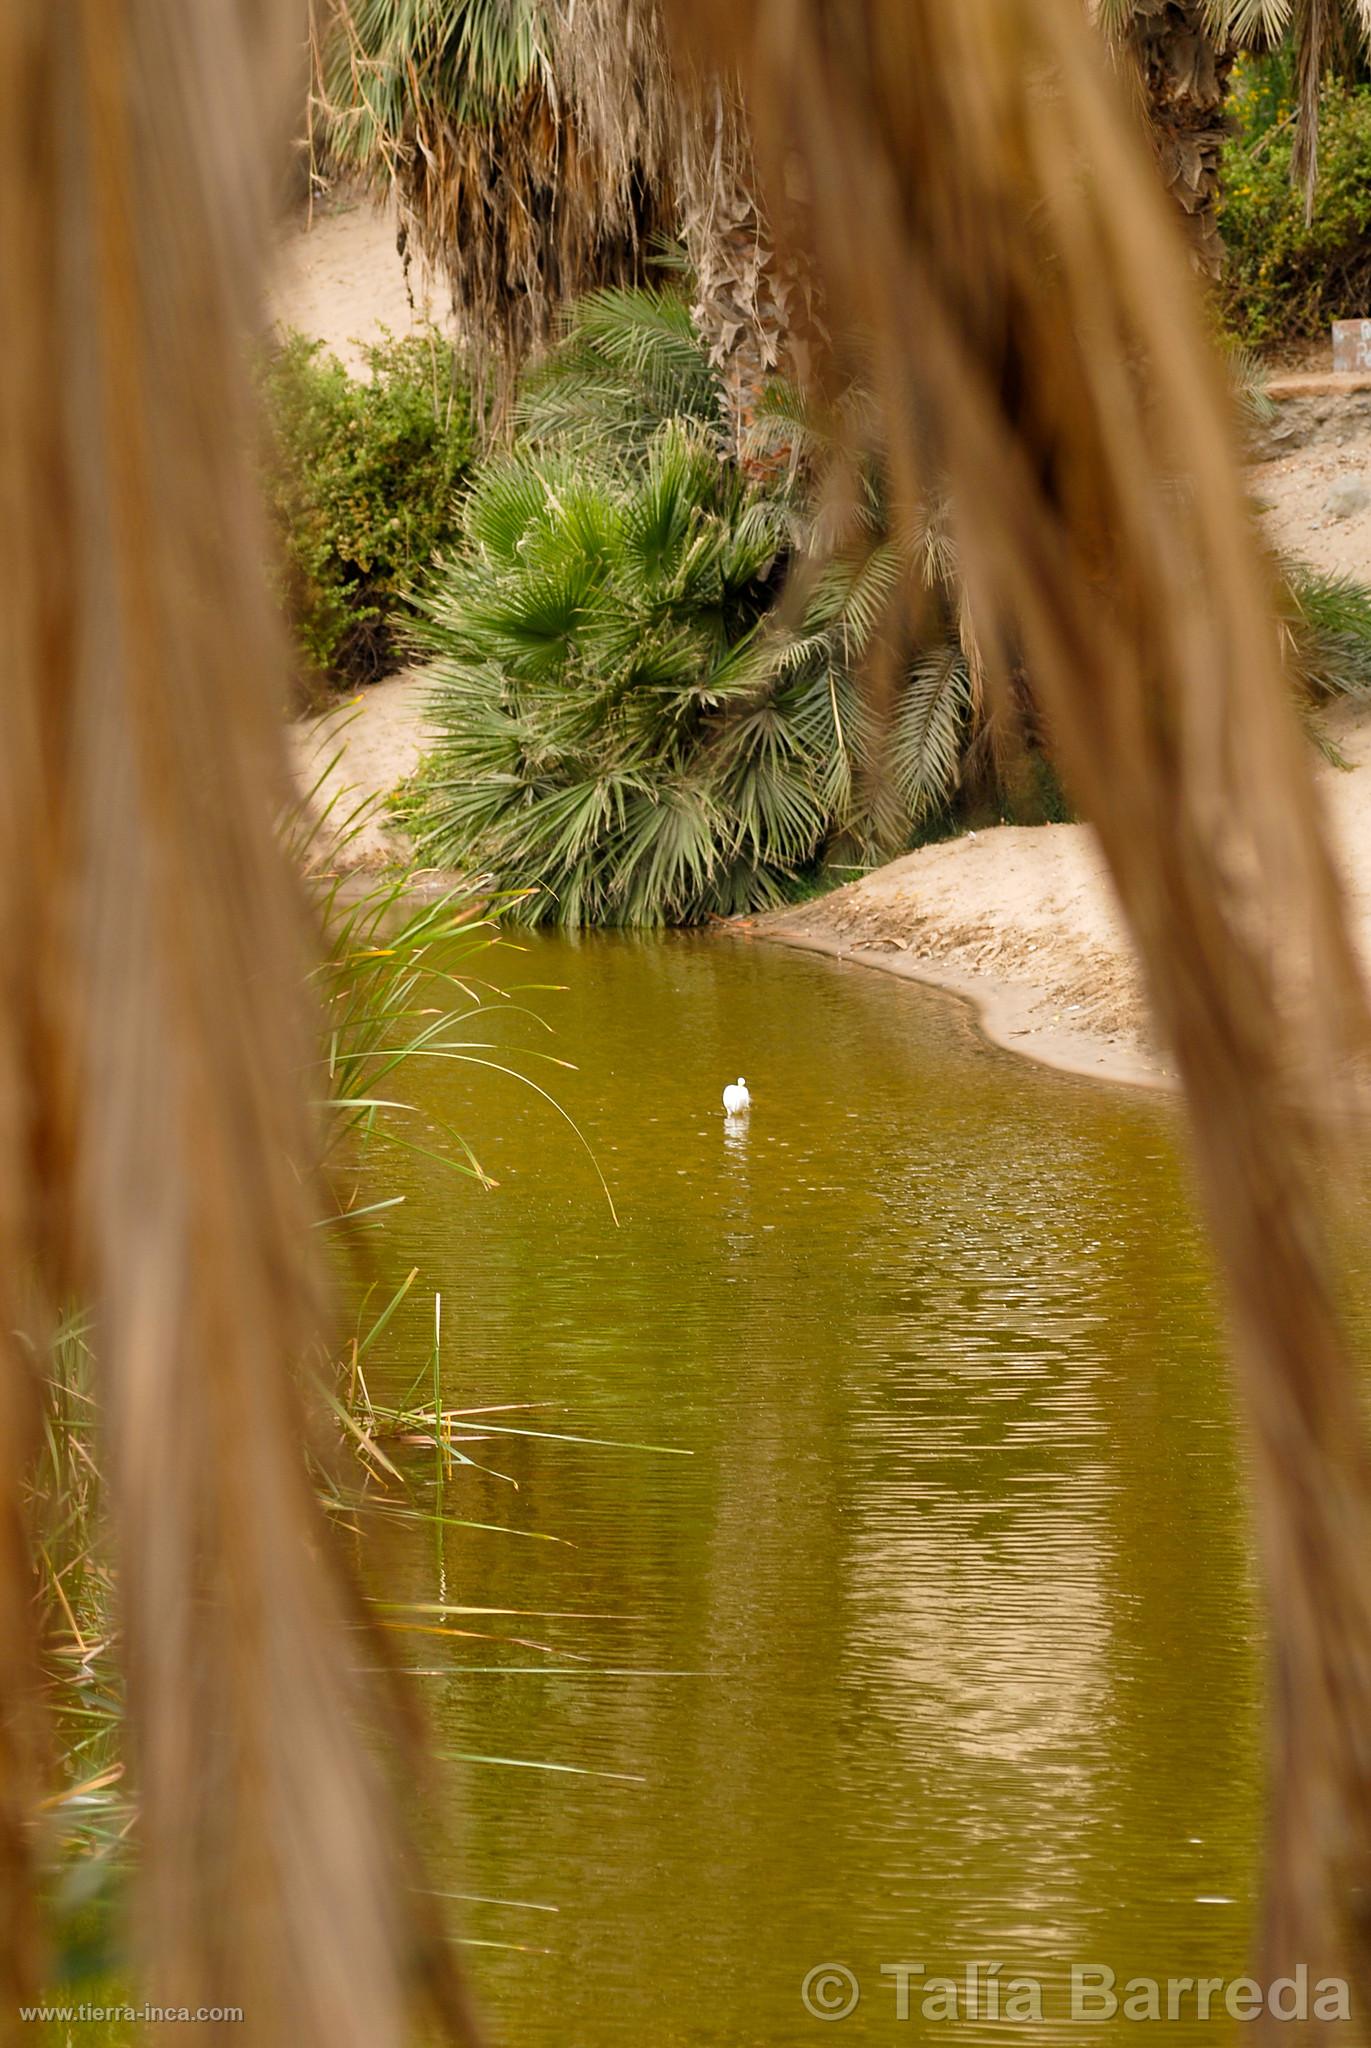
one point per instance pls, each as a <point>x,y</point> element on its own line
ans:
<point>939,1644</point>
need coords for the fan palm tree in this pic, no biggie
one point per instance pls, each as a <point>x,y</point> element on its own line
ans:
<point>753,306</point>
<point>541,148</point>
<point>628,731</point>
<point>455,107</point>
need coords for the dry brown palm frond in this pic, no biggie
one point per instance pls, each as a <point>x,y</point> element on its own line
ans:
<point>457,109</point>
<point>648,114</point>
<point>156,1156</point>
<point>1313,30</point>
<point>983,212</point>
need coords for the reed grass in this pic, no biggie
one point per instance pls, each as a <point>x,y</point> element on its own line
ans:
<point>397,981</point>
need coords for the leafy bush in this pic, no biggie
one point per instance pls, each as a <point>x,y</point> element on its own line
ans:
<point>1285,281</point>
<point>363,482</point>
<point>630,730</point>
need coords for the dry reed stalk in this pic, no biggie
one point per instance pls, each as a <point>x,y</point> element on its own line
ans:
<point>986,218</point>
<point>156,1151</point>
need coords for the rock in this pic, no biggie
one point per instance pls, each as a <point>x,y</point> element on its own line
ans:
<point>1350,495</point>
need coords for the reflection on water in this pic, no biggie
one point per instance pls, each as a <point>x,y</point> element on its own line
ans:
<point>735,1132</point>
<point>939,1644</point>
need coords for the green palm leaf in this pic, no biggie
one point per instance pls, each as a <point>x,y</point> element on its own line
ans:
<point>926,740</point>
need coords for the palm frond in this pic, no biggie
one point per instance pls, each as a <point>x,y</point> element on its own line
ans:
<point>929,725</point>
<point>627,363</point>
<point>455,108</point>
<point>512,498</point>
<point>1326,624</point>
<point>1248,21</point>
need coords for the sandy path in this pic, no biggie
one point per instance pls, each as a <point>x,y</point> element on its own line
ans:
<point>339,278</point>
<point>1312,477</point>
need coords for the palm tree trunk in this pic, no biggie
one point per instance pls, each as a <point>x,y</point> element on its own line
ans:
<point>648,115</point>
<point>751,308</point>
<point>1184,76</point>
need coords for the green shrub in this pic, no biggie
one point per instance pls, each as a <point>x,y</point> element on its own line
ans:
<point>363,483</point>
<point>629,727</point>
<point>1285,281</point>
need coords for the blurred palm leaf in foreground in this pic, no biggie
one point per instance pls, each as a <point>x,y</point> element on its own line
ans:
<point>987,219</point>
<point>158,1149</point>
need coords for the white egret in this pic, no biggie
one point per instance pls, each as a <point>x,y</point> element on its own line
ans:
<point>736,1097</point>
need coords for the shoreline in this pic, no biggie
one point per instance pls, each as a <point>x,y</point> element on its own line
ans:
<point>1004,1011</point>
<point>1020,923</point>
<point>1017,921</point>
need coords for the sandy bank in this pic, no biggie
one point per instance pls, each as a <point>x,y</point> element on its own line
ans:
<point>1018,920</point>
<point>1021,922</point>
<point>351,757</point>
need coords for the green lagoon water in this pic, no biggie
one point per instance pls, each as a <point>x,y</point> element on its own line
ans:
<point>930,1634</point>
